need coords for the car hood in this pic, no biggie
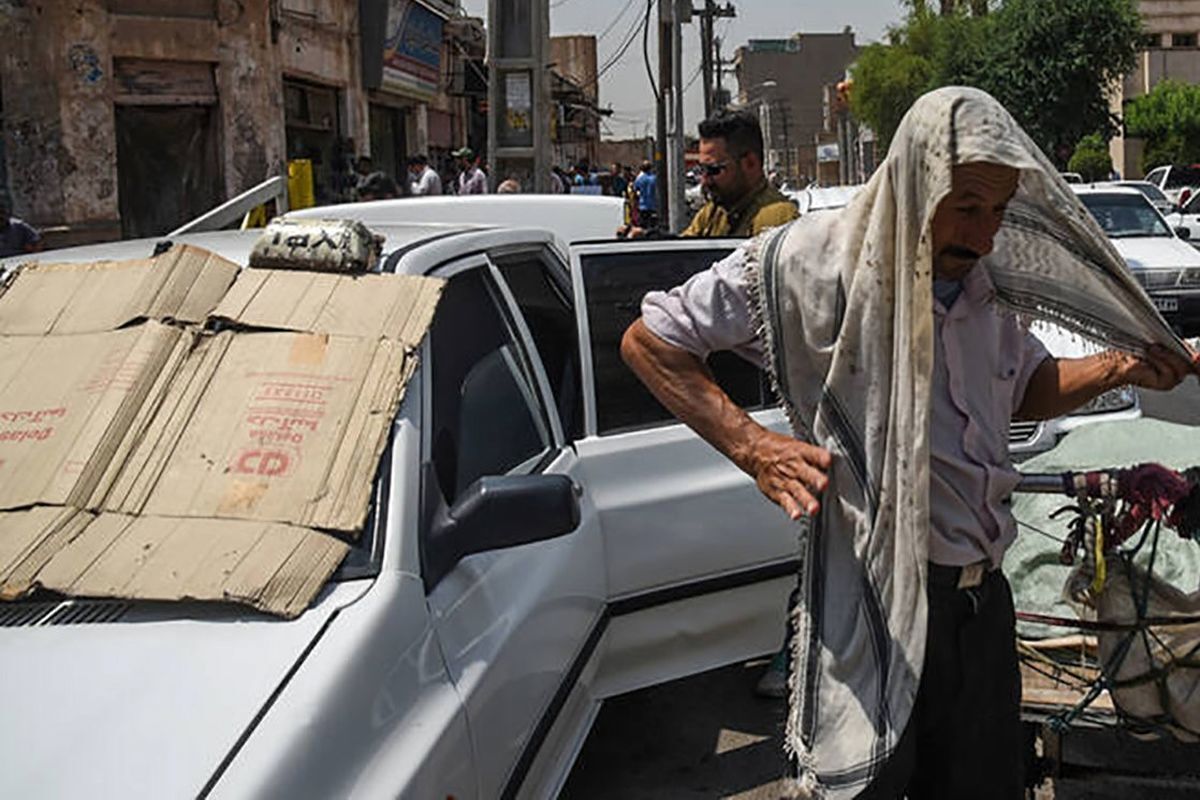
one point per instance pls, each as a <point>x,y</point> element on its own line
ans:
<point>146,705</point>
<point>1155,252</point>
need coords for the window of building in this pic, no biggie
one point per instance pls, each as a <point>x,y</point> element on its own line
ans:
<point>1151,41</point>
<point>1183,40</point>
<point>616,283</point>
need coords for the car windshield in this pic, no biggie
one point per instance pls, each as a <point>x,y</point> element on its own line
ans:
<point>1125,215</point>
<point>1152,192</point>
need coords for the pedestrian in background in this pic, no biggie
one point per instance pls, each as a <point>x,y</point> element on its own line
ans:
<point>16,237</point>
<point>509,185</point>
<point>423,178</point>
<point>378,186</point>
<point>617,181</point>
<point>645,185</point>
<point>471,179</point>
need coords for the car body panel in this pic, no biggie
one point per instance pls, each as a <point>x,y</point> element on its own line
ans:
<point>682,525</point>
<point>147,705</point>
<point>573,217</point>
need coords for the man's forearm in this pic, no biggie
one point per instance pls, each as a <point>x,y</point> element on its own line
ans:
<point>683,384</point>
<point>1061,385</point>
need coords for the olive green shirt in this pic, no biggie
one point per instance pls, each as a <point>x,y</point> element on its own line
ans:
<point>764,208</point>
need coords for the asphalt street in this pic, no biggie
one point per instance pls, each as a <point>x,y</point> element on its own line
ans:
<point>710,736</point>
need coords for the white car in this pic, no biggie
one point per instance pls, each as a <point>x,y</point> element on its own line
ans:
<point>1177,183</point>
<point>1167,267</point>
<point>818,198</point>
<point>1153,194</point>
<point>544,536</point>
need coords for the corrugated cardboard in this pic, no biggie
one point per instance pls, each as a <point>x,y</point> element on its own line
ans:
<point>273,567</point>
<point>29,539</point>
<point>183,284</point>
<point>146,455</point>
<point>67,404</point>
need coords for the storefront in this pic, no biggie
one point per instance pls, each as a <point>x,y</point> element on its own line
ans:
<point>402,53</point>
<point>312,121</point>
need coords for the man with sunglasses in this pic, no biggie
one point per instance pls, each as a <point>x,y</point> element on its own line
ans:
<point>741,202</point>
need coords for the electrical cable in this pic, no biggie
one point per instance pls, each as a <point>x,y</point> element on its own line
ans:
<point>616,19</point>
<point>646,50</point>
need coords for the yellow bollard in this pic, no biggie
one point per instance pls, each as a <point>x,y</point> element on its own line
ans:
<point>300,184</point>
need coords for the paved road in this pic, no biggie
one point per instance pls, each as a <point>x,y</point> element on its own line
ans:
<point>709,736</point>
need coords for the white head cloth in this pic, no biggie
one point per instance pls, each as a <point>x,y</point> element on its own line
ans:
<point>845,303</point>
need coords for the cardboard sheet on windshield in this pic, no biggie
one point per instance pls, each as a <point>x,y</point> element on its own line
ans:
<point>172,429</point>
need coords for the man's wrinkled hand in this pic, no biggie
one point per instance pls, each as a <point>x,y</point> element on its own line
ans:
<point>1158,369</point>
<point>789,472</point>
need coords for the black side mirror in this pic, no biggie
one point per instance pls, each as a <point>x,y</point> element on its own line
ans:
<point>497,512</point>
<point>1183,233</point>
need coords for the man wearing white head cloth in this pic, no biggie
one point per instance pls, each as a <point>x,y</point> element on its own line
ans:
<point>893,332</point>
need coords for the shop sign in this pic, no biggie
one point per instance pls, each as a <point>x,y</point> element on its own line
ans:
<point>412,49</point>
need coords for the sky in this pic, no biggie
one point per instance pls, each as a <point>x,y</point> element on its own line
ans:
<point>625,87</point>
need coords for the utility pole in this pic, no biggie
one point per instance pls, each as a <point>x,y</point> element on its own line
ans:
<point>664,94</point>
<point>680,12</point>
<point>708,17</point>
<point>519,91</point>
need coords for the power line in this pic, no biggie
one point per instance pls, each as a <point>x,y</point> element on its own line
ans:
<point>616,19</point>
<point>646,50</point>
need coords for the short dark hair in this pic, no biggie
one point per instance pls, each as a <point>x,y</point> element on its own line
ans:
<point>739,129</point>
<point>418,160</point>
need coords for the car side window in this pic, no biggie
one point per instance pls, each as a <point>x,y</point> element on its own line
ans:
<point>542,288</point>
<point>1156,176</point>
<point>485,418</point>
<point>615,284</point>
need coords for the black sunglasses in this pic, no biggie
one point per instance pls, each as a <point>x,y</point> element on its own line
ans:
<point>713,170</point>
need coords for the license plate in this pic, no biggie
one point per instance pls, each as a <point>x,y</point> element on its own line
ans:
<point>1166,303</point>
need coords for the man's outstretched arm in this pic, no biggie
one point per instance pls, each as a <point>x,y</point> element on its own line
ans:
<point>1060,385</point>
<point>789,472</point>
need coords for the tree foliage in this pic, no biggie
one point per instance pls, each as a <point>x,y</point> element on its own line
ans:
<point>1050,62</point>
<point>1168,118</point>
<point>1091,159</point>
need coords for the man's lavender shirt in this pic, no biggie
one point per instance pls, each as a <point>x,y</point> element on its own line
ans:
<point>983,361</point>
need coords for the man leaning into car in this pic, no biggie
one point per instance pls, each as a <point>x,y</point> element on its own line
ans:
<point>882,334</point>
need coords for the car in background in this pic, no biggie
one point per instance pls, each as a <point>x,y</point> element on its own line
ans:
<point>1187,216</point>
<point>1153,194</point>
<point>1178,183</point>
<point>820,198</point>
<point>1163,262</point>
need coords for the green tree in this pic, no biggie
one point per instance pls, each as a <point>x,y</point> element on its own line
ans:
<point>1168,118</point>
<point>1091,159</point>
<point>1050,62</point>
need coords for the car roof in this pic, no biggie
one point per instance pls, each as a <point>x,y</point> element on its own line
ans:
<point>407,249</point>
<point>573,217</point>
<point>1106,188</point>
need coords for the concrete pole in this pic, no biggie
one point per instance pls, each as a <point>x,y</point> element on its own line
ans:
<point>678,207</point>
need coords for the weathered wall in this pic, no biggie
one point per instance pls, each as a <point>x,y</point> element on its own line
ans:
<point>250,85</point>
<point>575,58</point>
<point>58,118</point>
<point>631,152</point>
<point>318,42</point>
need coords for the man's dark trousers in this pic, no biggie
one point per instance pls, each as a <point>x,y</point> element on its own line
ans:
<point>964,737</point>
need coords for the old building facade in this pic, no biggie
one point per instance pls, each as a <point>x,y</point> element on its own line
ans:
<point>128,117</point>
<point>1172,51</point>
<point>785,80</point>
